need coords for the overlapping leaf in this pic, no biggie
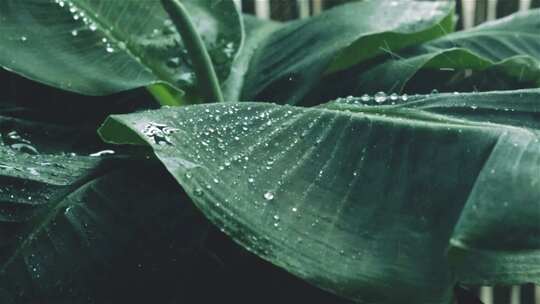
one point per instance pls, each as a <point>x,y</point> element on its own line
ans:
<point>509,46</point>
<point>68,221</point>
<point>361,200</point>
<point>102,47</point>
<point>293,58</point>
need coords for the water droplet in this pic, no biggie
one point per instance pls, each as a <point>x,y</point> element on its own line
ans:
<point>174,62</point>
<point>294,209</point>
<point>33,171</point>
<point>74,33</point>
<point>198,192</point>
<point>435,91</point>
<point>394,97</point>
<point>365,98</point>
<point>68,209</point>
<point>188,175</point>
<point>159,133</point>
<point>25,148</point>
<point>276,217</point>
<point>269,196</point>
<point>380,97</point>
<point>92,27</point>
<point>101,153</point>
<point>24,38</point>
<point>251,180</point>
<point>404,97</point>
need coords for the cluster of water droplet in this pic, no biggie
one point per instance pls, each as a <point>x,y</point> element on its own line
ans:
<point>222,52</point>
<point>88,23</point>
<point>19,143</point>
<point>159,133</point>
<point>377,99</point>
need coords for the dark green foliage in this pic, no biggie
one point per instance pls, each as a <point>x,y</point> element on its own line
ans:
<point>369,199</point>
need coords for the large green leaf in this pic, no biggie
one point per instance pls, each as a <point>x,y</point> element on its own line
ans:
<point>509,46</point>
<point>375,203</point>
<point>294,57</point>
<point>100,47</point>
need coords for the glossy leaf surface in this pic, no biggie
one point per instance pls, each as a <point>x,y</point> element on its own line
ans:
<point>101,47</point>
<point>509,46</point>
<point>372,202</point>
<point>293,58</point>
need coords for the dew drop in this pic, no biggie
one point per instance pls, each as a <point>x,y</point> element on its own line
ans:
<point>365,98</point>
<point>102,153</point>
<point>24,38</point>
<point>394,97</point>
<point>25,148</point>
<point>269,196</point>
<point>404,97</point>
<point>92,27</point>
<point>380,97</point>
<point>198,192</point>
<point>33,171</point>
<point>74,33</point>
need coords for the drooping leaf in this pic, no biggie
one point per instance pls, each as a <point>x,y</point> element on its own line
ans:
<point>102,47</point>
<point>71,226</point>
<point>294,57</point>
<point>508,46</point>
<point>375,203</point>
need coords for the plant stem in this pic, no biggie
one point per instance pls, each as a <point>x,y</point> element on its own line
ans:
<point>163,95</point>
<point>207,81</point>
